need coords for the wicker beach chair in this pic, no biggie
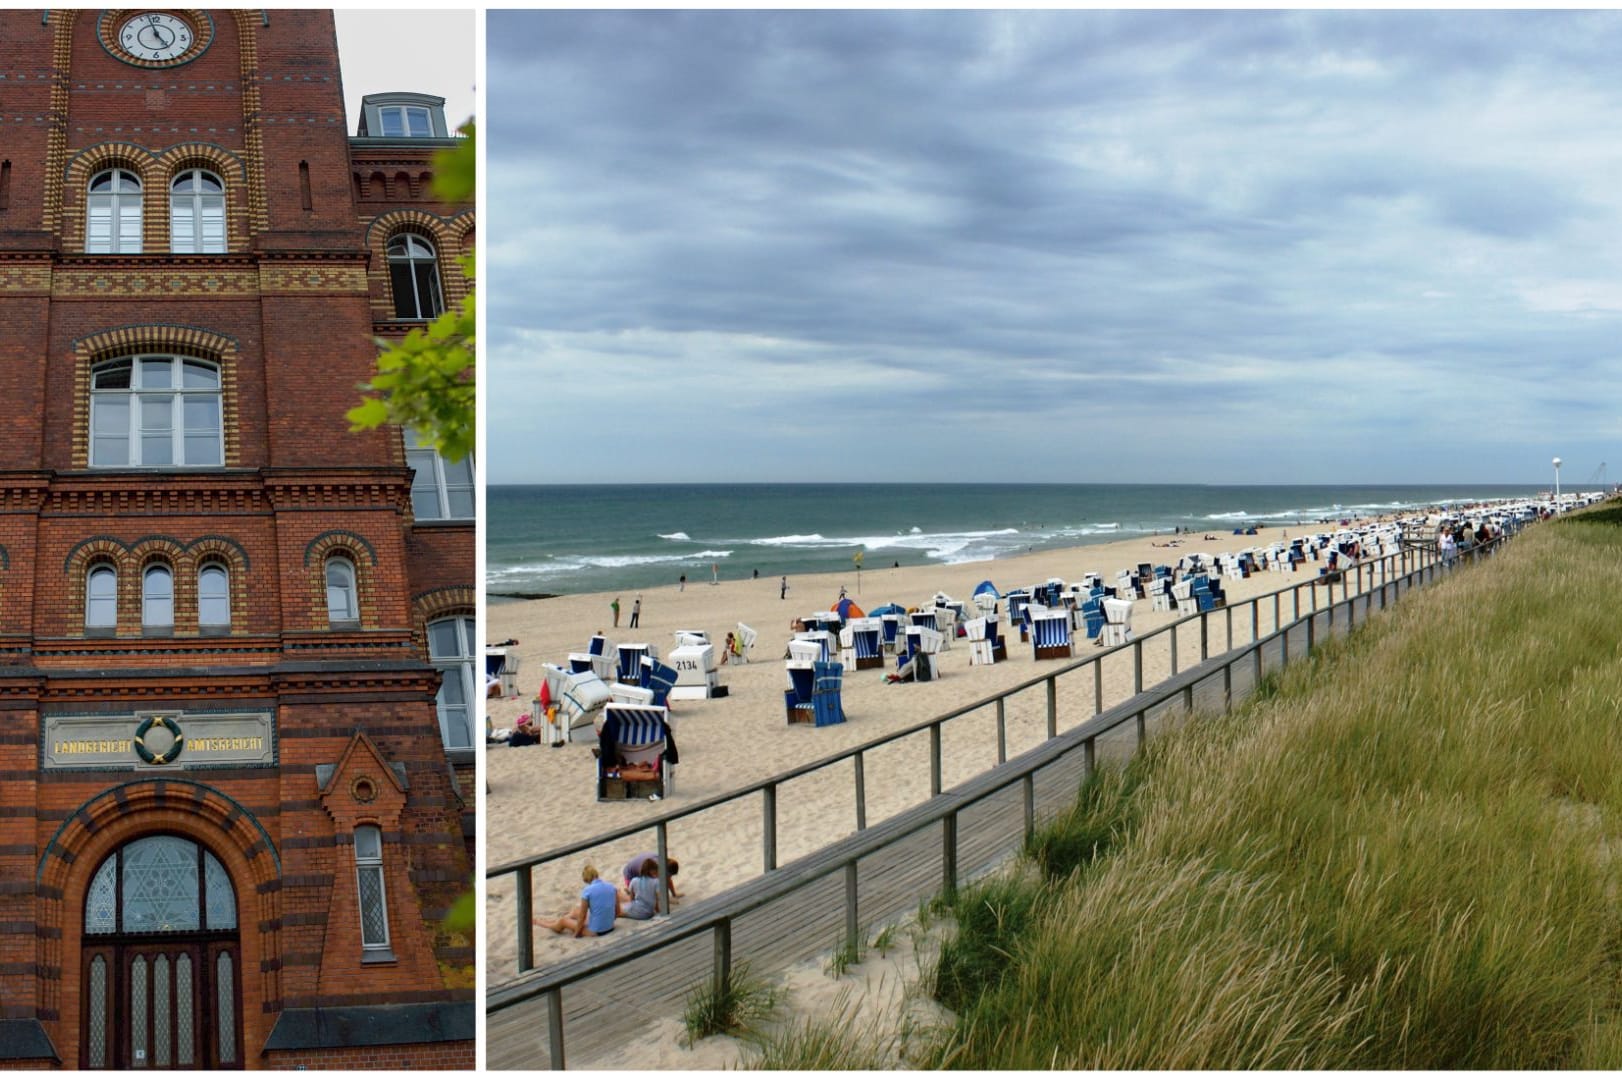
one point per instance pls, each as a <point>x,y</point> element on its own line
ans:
<point>636,753</point>
<point>1050,635</point>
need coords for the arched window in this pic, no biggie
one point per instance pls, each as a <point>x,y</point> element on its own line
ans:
<point>113,213</point>
<point>101,598</point>
<point>440,489</point>
<point>374,908</point>
<point>341,602</point>
<point>155,411</point>
<point>196,213</point>
<point>414,274</point>
<point>157,884</point>
<point>213,597</point>
<point>157,598</point>
<point>450,649</point>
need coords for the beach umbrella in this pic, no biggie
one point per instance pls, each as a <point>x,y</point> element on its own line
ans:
<point>986,587</point>
<point>888,610</point>
<point>847,610</point>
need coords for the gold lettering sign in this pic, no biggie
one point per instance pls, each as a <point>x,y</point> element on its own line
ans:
<point>153,741</point>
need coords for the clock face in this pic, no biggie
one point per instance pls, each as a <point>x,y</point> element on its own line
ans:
<point>155,36</point>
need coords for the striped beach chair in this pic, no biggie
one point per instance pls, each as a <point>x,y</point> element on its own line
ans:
<point>861,644</point>
<point>1050,635</point>
<point>797,696</point>
<point>636,753</point>
<point>630,656</point>
<point>827,706</point>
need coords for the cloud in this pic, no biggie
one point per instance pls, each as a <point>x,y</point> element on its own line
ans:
<point>1135,232</point>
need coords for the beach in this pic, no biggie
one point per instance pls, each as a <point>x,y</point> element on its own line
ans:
<point>541,797</point>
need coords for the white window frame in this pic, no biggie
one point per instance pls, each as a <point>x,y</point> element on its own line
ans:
<point>150,598</point>
<point>369,861</point>
<point>204,596</point>
<point>122,208</point>
<point>432,485</point>
<point>405,113</point>
<point>206,208</point>
<point>138,399</point>
<point>349,591</point>
<point>462,666</point>
<point>109,603</point>
<point>412,258</point>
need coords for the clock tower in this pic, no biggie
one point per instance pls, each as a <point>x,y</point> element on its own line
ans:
<point>237,668</point>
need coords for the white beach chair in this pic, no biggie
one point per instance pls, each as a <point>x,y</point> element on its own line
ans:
<point>1117,621</point>
<point>743,640</point>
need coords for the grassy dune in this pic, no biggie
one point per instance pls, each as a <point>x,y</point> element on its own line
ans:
<point>1403,853</point>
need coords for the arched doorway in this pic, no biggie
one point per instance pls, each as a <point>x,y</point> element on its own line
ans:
<point>161,960</point>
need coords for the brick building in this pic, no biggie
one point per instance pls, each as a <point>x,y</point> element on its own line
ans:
<point>235,638</point>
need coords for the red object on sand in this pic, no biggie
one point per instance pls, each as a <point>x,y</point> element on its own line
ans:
<point>546,695</point>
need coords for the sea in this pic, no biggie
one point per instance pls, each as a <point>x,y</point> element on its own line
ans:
<point>548,540</point>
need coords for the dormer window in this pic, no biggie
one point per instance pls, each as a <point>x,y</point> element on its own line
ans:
<point>402,115</point>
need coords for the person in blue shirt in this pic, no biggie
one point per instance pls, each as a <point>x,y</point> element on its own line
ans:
<point>599,906</point>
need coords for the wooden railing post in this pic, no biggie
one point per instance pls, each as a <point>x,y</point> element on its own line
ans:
<point>852,929</point>
<point>768,796</point>
<point>1174,649</point>
<point>935,759</point>
<point>1098,685</point>
<point>1028,792</point>
<point>526,919</point>
<point>1205,637</point>
<point>949,854</point>
<point>1137,667</point>
<point>1053,706</point>
<point>554,1026</point>
<point>723,957</point>
<point>861,788</point>
<point>661,846</point>
<point>1002,731</point>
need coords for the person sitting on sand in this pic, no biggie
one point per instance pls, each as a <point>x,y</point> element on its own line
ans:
<point>640,897</point>
<point>633,868</point>
<point>594,915</point>
<point>731,647</point>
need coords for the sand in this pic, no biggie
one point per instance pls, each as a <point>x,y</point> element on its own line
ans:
<point>541,797</point>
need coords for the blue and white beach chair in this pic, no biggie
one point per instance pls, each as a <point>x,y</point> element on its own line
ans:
<point>826,704</point>
<point>1050,635</point>
<point>860,644</point>
<point>802,685</point>
<point>636,753</point>
<point>630,656</point>
<point>658,678</point>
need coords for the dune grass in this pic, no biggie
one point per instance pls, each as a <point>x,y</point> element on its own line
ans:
<point>1406,855</point>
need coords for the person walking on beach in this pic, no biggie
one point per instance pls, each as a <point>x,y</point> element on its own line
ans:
<point>715,574</point>
<point>636,611</point>
<point>782,589</point>
<point>615,605</point>
<point>682,587</point>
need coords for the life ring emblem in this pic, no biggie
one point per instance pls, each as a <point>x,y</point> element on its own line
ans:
<point>172,752</point>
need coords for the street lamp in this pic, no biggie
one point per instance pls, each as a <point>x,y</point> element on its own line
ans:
<point>1557,485</point>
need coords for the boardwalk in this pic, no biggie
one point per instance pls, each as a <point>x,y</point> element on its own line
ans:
<point>799,911</point>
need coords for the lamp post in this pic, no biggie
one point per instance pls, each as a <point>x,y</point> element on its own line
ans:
<point>1557,485</point>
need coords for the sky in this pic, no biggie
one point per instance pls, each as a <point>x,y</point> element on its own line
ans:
<point>382,50</point>
<point>1080,246</point>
